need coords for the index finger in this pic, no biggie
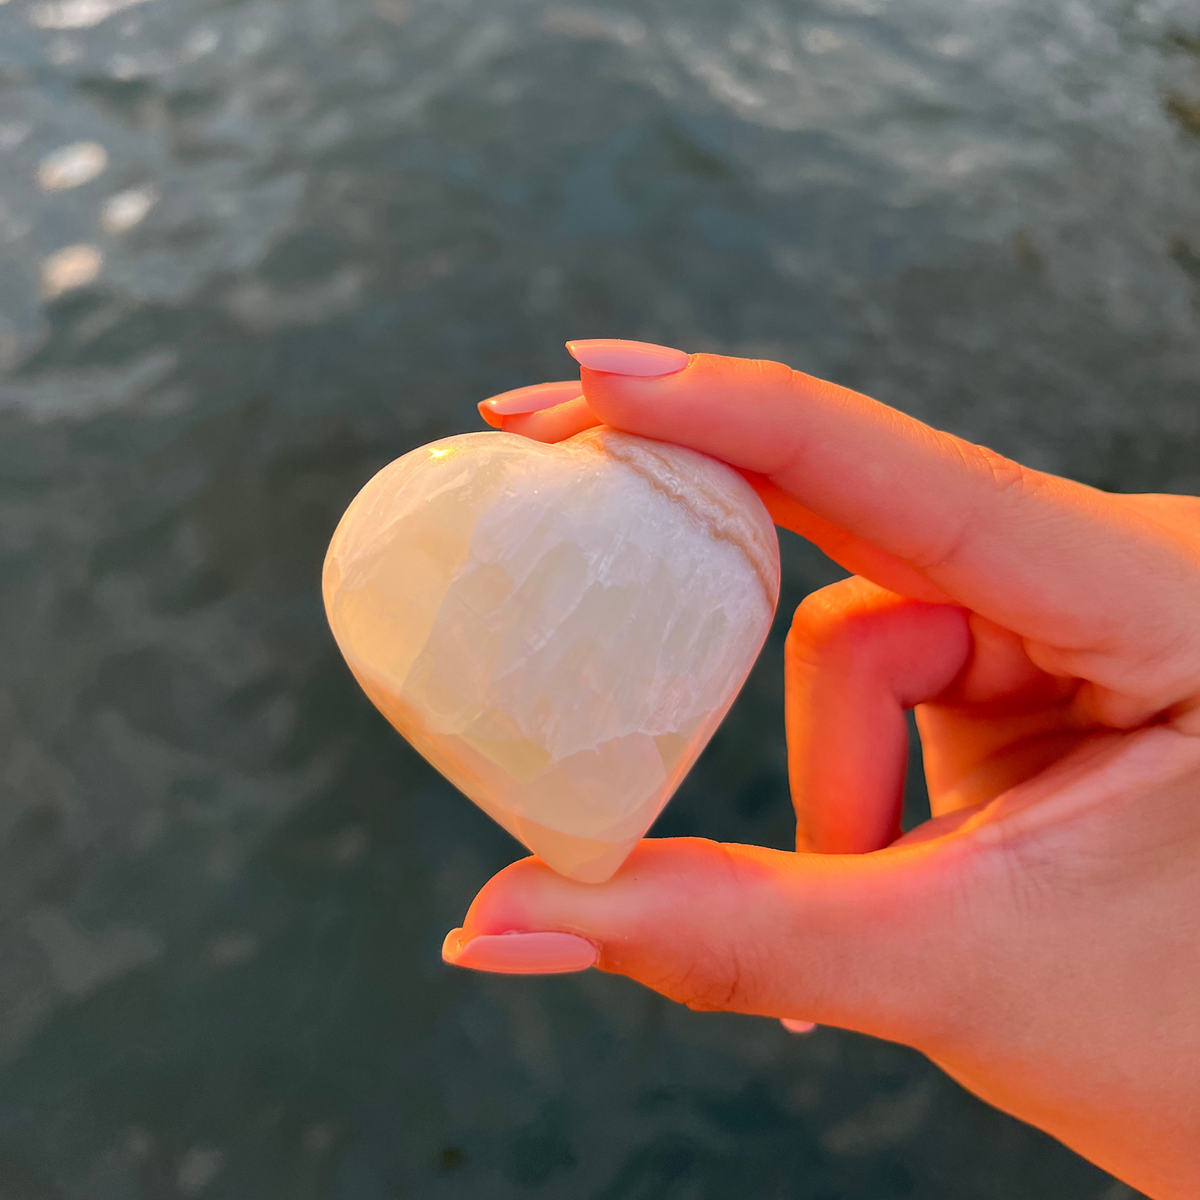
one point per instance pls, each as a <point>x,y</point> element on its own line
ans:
<point>1056,561</point>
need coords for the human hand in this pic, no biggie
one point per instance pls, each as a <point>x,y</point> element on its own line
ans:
<point>1039,937</point>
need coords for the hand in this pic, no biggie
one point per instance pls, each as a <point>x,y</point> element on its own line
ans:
<point>1039,937</point>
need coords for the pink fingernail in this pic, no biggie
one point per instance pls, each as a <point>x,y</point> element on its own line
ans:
<point>533,398</point>
<point>797,1026</point>
<point>520,953</point>
<point>619,357</point>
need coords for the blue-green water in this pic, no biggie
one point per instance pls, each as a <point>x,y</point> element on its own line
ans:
<point>303,236</point>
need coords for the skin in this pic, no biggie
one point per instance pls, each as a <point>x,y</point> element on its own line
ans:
<point>1039,938</point>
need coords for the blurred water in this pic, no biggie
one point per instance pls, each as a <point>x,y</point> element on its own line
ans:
<point>250,250</point>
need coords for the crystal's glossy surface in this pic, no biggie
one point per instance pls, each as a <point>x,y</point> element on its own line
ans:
<point>558,629</point>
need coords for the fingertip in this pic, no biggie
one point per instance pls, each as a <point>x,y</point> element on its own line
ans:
<point>522,895</point>
<point>553,424</point>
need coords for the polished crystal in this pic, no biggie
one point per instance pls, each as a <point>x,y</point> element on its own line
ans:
<point>559,629</point>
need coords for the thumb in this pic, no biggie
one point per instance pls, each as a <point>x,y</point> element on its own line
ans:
<point>865,942</point>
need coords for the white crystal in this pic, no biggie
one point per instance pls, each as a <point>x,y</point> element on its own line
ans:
<point>559,629</point>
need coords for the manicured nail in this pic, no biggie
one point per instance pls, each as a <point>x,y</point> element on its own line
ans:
<point>520,953</point>
<point>797,1026</point>
<point>619,357</point>
<point>531,399</point>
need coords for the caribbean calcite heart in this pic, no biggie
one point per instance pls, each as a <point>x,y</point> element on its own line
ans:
<point>559,629</point>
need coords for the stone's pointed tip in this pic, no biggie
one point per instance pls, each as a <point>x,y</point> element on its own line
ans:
<point>585,860</point>
<point>617,356</point>
<point>521,953</point>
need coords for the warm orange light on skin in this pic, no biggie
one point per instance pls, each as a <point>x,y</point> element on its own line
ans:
<point>553,424</point>
<point>1040,937</point>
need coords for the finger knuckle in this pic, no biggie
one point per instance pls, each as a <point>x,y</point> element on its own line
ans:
<point>720,972</point>
<point>770,373</point>
<point>1002,479</point>
<point>716,984</point>
<point>1004,475</point>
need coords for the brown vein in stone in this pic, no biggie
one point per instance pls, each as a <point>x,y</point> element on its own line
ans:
<point>695,482</point>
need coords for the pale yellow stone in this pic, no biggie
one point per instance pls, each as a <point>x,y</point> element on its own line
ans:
<point>558,629</point>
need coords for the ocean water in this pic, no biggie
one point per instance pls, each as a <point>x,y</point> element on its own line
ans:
<point>250,251</point>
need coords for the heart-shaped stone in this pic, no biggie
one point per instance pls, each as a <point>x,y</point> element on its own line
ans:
<point>559,629</point>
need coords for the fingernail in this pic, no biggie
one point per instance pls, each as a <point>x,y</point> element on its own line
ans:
<point>619,357</point>
<point>531,399</point>
<point>520,953</point>
<point>797,1026</point>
